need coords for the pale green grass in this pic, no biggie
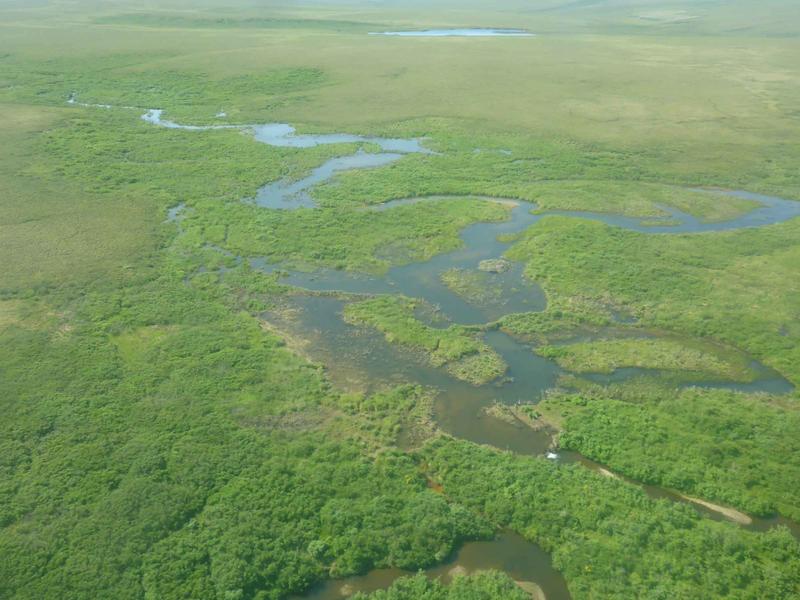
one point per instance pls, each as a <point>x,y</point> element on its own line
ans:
<point>605,356</point>
<point>53,230</point>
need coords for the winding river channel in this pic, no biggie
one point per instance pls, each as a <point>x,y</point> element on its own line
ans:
<point>353,354</point>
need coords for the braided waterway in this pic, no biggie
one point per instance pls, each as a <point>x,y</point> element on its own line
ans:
<point>354,354</point>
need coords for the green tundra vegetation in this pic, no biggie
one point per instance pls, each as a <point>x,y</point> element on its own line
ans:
<point>579,517</point>
<point>456,348</point>
<point>636,199</point>
<point>481,586</point>
<point>161,441</point>
<point>536,174</point>
<point>729,447</point>
<point>341,238</point>
<point>679,355</point>
<point>736,287</point>
<point>473,285</point>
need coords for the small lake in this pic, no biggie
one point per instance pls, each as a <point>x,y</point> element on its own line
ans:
<point>464,32</point>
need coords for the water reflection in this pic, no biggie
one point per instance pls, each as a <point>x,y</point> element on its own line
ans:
<point>468,32</point>
<point>521,560</point>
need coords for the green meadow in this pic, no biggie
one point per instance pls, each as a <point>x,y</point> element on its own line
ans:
<point>162,439</point>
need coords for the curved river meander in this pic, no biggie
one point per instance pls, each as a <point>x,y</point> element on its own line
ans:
<point>354,354</point>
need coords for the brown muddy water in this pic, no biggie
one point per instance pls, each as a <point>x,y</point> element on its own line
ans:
<point>508,552</point>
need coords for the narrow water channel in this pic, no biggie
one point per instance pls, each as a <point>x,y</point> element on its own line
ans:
<point>355,355</point>
<point>509,552</point>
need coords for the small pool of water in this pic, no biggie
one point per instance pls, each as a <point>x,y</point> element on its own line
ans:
<point>464,32</point>
<point>521,560</point>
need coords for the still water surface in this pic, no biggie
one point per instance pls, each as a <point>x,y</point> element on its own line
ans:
<point>508,552</point>
<point>464,32</point>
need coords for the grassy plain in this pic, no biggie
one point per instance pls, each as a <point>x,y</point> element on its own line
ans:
<point>159,443</point>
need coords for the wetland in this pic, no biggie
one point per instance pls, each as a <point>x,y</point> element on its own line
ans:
<point>369,355</point>
<point>380,301</point>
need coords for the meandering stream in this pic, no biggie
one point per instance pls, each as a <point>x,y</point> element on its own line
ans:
<point>358,355</point>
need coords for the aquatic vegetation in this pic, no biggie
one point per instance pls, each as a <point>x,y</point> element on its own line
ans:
<point>607,355</point>
<point>737,287</point>
<point>456,348</point>
<point>724,446</point>
<point>475,286</point>
<point>636,199</point>
<point>343,239</point>
<point>494,265</point>
<point>564,317</point>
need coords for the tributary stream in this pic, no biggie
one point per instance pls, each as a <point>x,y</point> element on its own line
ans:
<point>354,354</point>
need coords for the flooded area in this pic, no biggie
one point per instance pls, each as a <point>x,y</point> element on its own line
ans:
<point>361,358</point>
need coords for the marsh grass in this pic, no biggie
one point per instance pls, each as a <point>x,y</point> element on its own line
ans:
<point>735,287</point>
<point>456,348</point>
<point>474,286</point>
<point>672,354</point>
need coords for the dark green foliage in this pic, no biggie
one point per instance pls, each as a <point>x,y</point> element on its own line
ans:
<point>163,445</point>
<point>610,540</point>
<point>482,586</point>
<point>717,445</point>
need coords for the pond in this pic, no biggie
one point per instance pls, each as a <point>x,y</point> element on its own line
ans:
<point>464,32</point>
